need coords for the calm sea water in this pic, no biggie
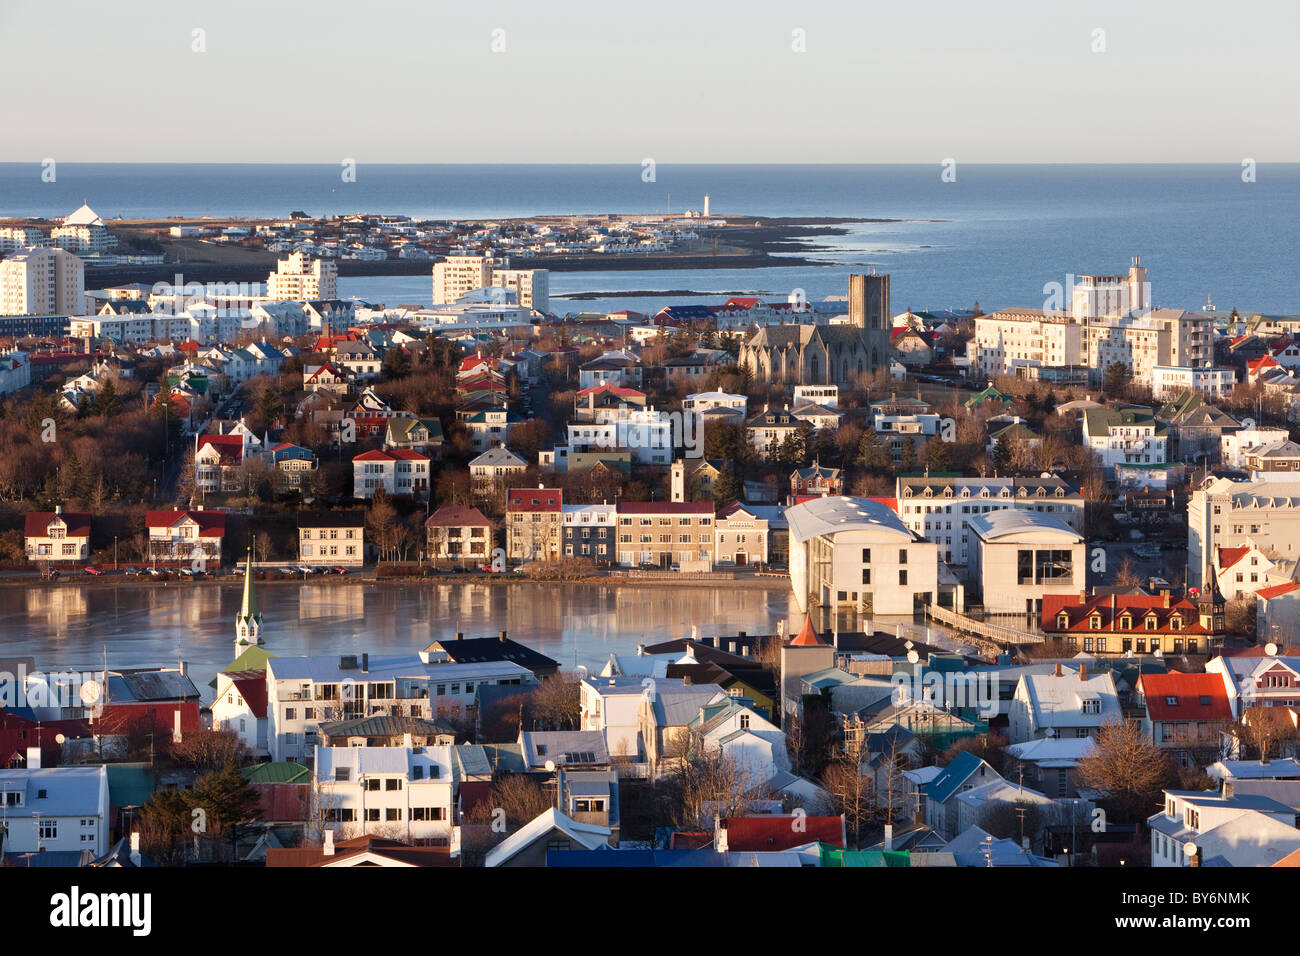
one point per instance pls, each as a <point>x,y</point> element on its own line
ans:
<point>1007,230</point>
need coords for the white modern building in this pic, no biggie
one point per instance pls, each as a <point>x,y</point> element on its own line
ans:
<point>399,472</point>
<point>1018,557</point>
<point>1263,512</point>
<point>858,553</point>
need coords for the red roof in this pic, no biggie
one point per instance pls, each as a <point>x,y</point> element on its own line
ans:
<point>231,447</point>
<point>775,833</point>
<point>1195,696</point>
<point>535,499</point>
<point>1230,556</point>
<point>38,523</point>
<point>456,516</point>
<point>396,454</point>
<point>1112,608</point>
<point>683,840</point>
<point>808,635</point>
<point>1277,590</point>
<point>212,524</point>
<point>741,302</point>
<point>1263,362</point>
<point>252,687</point>
<point>614,389</point>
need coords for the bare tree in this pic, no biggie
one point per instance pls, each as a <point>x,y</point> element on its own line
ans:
<point>1127,767</point>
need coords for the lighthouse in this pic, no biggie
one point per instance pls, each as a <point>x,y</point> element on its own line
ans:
<point>706,205</point>
<point>248,625</point>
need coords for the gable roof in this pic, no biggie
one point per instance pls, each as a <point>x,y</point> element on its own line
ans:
<point>1194,696</point>
<point>775,833</point>
<point>212,524</point>
<point>587,835</point>
<point>37,523</point>
<point>457,516</point>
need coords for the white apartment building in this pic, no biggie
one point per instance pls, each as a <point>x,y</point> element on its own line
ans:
<point>300,278</point>
<point>613,705</point>
<point>723,401</point>
<point>532,287</point>
<point>826,395</point>
<point>1196,827</point>
<point>1018,341</point>
<point>404,793</point>
<point>1263,511</point>
<point>940,509</point>
<point>457,276</point>
<point>1168,381</point>
<point>82,231</point>
<point>17,238</point>
<point>646,433</point>
<point>1125,436</point>
<point>55,809</point>
<point>42,281</point>
<point>304,692</point>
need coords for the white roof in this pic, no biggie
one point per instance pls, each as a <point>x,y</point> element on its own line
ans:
<point>1057,701</point>
<point>368,760</point>
<point>840,513</point>
<point>588,835</point>
<point>1069,749</point>
<point>85,216</point>
<point>1011,522</point>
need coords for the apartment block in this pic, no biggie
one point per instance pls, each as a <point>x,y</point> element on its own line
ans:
<point>42,281</point>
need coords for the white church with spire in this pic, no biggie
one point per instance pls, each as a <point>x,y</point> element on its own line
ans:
<point>248,625</point>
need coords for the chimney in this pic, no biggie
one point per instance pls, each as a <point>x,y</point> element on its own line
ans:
<point>408,740</point>
<point>1057,672</point>
<point>33,758</point>
<point>176,726</point>
<point>889,837</point>
<point>365,663</point>
<point>183,668</point>
<point>460,636</point>
<point>686,680</point>
<point>502,637</point>
<point>135,848</point>
<point>58,509</point>
<point>329,843</point>
<point>919,817</point>
<point>1083,672</point>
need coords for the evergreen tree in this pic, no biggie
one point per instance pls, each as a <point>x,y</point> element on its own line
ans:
<point>106,402</point>
<point>871,452</point>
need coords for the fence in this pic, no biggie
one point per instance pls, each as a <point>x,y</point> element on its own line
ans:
<point>994,632</point>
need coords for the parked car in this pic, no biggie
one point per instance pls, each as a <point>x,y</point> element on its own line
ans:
<point>93,571</point>
<point>338,570</point>
<point>132,570</point>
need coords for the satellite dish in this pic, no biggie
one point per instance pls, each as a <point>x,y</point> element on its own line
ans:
<point>1270,649</point>
<point>913,657</point>
<point>582,671</point>
<point>1190,848</point>
<point>550,766</point>
<point>908,645</point>
<point>1049,732</point>
<point>60,739</point>
<point>90,693</point>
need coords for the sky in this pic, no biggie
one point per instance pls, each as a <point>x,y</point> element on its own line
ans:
<point>573,81</point>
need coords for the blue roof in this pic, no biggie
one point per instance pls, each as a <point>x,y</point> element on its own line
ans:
<point>953,776</point>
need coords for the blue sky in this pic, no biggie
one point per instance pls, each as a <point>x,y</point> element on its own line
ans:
<point>577,81</point>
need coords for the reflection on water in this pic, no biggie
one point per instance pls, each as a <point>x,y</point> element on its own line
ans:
<point>138,626</point>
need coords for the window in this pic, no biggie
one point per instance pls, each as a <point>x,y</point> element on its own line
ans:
<point>393,783</point>
<point>866,575</point>
<point>393,813</point>
<point>902,577</point>
<point>342,774</point>
<point>372,784</point>
<point>902,559</point>
<point>866,555</point>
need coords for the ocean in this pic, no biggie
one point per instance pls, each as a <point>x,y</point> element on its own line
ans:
<point>997,234</point>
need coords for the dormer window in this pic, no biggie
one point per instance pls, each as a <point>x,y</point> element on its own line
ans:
<point>1062,620</point>
<point>1094,622</point>
<point>1176,623</point>
<point>1060,492</point>
<point>1150,622</point>
<point>1171,701</point>
<point>1126,622</point>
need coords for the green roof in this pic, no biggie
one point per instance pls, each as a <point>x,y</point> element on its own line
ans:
<point>989,394</point>
<point>835,857</point>
<point>129,784</point>
<point>283,772</point>
<point>252,659</point>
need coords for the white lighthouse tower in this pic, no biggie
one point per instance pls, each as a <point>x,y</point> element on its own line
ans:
<point>706,205</point>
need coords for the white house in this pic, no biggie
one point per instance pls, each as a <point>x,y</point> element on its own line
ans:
<point>240,707</point>
<point>1062,704</point>
<point>404,793</point>
<point>1216,830</point>
<point>1019,556</point>
<point>399,472</point>
<point>55,809</point>
<point>1121,436</point>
